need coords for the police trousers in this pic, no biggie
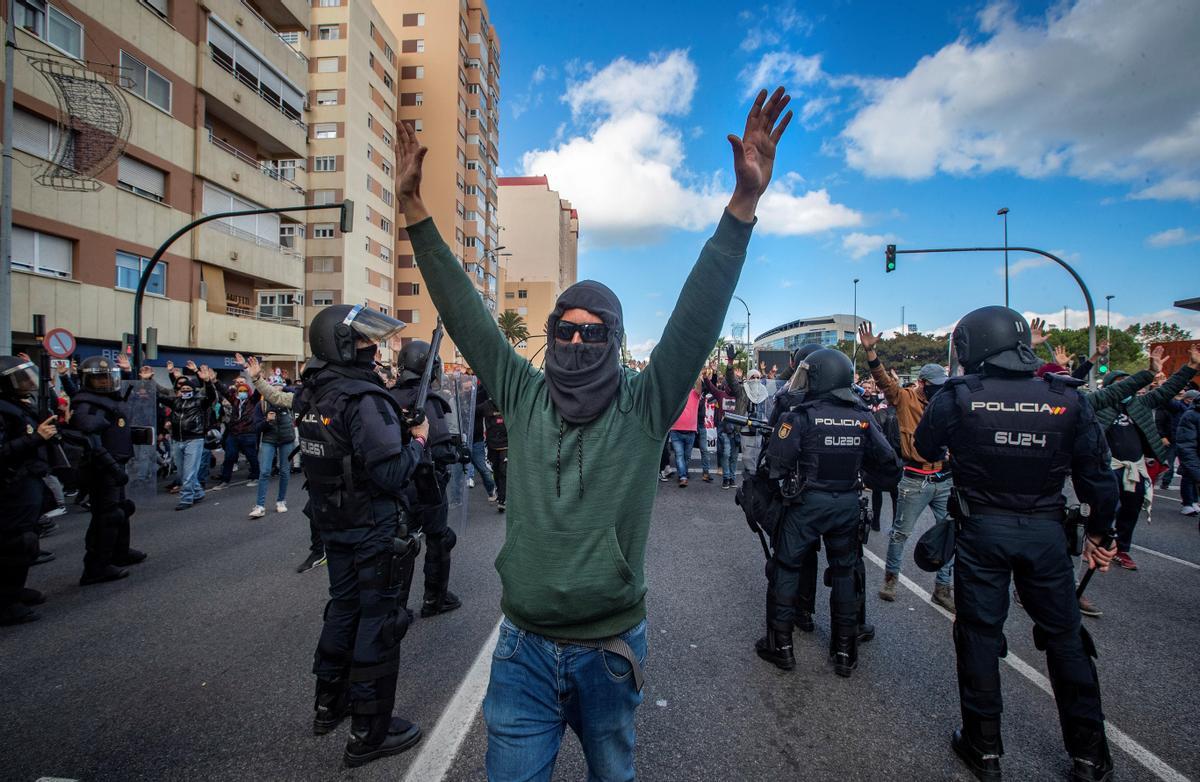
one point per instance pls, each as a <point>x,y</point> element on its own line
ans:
<point>364,621</point>
<point>18,537</point>
<point>832,516</point>
<point>991,551</point>
<point>107,537</point>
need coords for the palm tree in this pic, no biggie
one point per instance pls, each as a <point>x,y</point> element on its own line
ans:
<point>513,327</point>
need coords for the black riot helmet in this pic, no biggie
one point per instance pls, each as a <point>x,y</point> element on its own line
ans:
<point>799,380</point>
<point>18,377</point>
<point>100,375</point>
<point>412,362</point>
<point>830,373</point>
<point>803,352</point>
<point>335,330</point>
<point>996,336</point>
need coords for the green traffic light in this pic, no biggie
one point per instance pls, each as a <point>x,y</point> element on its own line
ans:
<point>1103,369</point>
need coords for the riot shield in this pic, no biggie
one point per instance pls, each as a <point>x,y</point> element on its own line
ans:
<point>762,404</point>
<point>142,403</point>
<point>459,390</point>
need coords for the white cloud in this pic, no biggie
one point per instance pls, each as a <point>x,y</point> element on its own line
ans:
<point>663,85</point>
<point>1099,89</point>
<point>531,98</point>
<point>626,171</point>
<point>1023,265</point>
<point>1077,319</point>
<point>778,21</point>
<point>774,68</point>
<point>1172,237</point>
<point>641,350</point>
<point>858,245</point>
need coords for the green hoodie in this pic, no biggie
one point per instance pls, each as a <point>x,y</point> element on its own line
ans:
<point>580,497</point>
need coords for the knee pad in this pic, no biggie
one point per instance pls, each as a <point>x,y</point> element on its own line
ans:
<point>395,627</point>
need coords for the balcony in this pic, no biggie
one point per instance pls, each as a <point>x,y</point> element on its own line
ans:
<point>229,247</point>
<point>242,104</point>
<point>272,31</point>
<point>216,331</point>
<point>260,315</point>
<point>234,170</point>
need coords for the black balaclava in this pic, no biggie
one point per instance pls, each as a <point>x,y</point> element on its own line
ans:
<point>584,378</point>
<point>365,356</point>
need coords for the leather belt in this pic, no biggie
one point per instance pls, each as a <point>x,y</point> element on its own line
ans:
<point>614,644</point>
<point>979,509</point>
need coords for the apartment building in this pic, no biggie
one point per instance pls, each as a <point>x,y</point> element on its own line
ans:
<point>216,103</point>
<point>449,77</point>
<point>541,239</point>
<point>352,124</point>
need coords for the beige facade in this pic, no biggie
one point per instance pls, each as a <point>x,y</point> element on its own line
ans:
<point>216,100</point>
<point>352,125</point>
<point>541,231</point>
<point>449,93</point>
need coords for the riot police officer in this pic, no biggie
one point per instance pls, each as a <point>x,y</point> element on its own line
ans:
<point>357,462</point>
<point>101,416</point>
<point>24,460</point>
<point>1013,440</point>
<point>817,451</point>
<point>427,494</point>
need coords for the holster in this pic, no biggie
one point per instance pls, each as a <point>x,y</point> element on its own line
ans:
<point>864,520</point>
<point>957,506</point>
<point>1073,526</point>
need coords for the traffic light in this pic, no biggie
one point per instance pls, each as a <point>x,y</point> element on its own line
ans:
<point>1102,364</point>
<point>891,258</point>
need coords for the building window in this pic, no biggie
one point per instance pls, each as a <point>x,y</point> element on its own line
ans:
<point>522,293</point>
<point>387,81</point>
<point>147,83</point>
<point>261,229</point>
<point>37,136</point>
<point>325,163</point>
<point>278,305</point>
<point>329,3</point>
<point>64,33</point>
<point>387,138</point>
<point>412,72</point>
<point>328,32</point>
<point>322,264</point>
<point>385,224</point>
<point>322,298</point>
<point>322,230</point>
<point>413,20</point>
<point>385,254</point>
<point>327,97</point>
<point>137,177</point>
<point>327,65</point>
<point>387,168</point>
<point>157,6</point>
<point>387,196</point>
<point>129,271</point>
<point>323,197</point>
<point>288,234</point>
<point>41,253</point>
<point>325,130</point>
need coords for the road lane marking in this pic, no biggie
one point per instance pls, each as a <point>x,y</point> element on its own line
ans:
<point>1176,560</point>
<point>1148,759</point>
<point>441,747</point>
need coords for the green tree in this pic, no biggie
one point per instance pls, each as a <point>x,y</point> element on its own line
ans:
<point>1124,351</point>
<point>512,325</point>
<point>1157,331</point>
<point>901,353</point>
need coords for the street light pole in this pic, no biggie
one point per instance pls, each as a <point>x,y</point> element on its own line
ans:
<point>1108,318</point>
<point>854,348</point>
<point>1004,212</point>
<point>749,344</point>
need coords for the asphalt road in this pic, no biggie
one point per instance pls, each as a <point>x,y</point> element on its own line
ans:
<point>197,665</point>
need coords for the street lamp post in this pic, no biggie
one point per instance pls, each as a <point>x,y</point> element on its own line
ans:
<point>1004,212</point>
<point>854,348</point>
<point>1108,318</point>
<point>748,342</point>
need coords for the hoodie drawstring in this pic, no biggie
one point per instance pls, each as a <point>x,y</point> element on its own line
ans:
<point>562,428</point>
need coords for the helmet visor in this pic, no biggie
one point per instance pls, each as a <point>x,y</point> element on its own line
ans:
<point>373,325</point>
<point>102,380</point>
<point>23,378</point>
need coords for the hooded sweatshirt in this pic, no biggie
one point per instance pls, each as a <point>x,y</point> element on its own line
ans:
<point>580,495</point>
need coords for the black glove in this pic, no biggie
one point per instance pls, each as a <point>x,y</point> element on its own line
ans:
<point>730,352</point>
<point>116,471</point>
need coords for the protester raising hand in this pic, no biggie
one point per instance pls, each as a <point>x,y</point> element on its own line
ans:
<point>754,151</point>
<point>865,336</point>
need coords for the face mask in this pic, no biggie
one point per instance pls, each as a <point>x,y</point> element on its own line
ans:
<point>242,395</point>
<point>579,355</point>
<point>186,394</point>
<point>365,357</point>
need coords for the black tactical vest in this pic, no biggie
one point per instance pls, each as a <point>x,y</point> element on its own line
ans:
<point>341,494</point>
<point>116,438</point>
<point>1013,446</point>
<point>824,441</point>
<point>18,423</point>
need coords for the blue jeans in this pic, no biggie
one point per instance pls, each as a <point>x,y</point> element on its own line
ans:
<point>727,454</point>
<point>1187,490</point>
<point>681,446</point>
<point>915,495</point>
<point>479,462</point>
<point>266,460</point>
<point>539,686</point>
<point>702,444</point>
<point>246,445</point>
<point>188,455</point>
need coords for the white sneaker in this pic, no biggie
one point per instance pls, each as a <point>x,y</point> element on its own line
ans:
<point>1190,510</point>
<point>492,497</point>
<point>53,514</point>
<point>257,512</point>
<point>281,507</point>
<point>470,483</point>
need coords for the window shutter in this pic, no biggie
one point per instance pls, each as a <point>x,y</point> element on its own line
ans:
<point>31,134</point>
<point>272,82</point>
<point>219,39</point>
<point>22,246</point>
<point>158,5</point>
<point>54,254</point>
<point>137,174</point>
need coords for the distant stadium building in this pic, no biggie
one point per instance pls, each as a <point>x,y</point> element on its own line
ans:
<point>824,330</point>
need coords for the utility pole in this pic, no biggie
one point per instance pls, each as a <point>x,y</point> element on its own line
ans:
<point>6,171</point>
<point>1004,213</point>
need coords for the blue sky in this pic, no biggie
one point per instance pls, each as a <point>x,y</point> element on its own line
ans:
<point>915,123</point>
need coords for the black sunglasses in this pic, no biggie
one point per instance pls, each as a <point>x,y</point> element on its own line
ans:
<point>588,332</point>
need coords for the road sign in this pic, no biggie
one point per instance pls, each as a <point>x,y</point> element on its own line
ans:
<point>59,343</point>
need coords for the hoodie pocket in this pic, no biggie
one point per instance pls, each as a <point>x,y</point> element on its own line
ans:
<point>566,578</point>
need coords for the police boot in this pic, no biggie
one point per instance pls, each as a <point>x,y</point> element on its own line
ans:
<point>332,705</point>
<point>100,575</point>
<point>130,557</point>
<point>866,632</point>
<point>843,653</point>
<point>978,745</point>
<point>443,603</point>
<point>804,621</point>
<point>776,648</point>
<point>17,613</point>
<point>31,597</point>
<point>375,736</point>
<point>1090,759</point>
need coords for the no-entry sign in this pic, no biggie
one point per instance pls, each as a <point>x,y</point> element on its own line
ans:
<point>59,343</point>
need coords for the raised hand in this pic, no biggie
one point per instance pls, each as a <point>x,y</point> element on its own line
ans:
<point>1037,331</point>
<point>1061,356</point>
<point>191,365</point>
<point>866,337</point>
<point>239,359</point>
<point>1156,359</point>
<point>123,362</point>
<point>145,373</point>
<point>754,151</point>
<point>253,368</point>
<point>1193,356</point>
<point>408,179</point>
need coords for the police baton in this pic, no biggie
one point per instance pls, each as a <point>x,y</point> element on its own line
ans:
<point>1105,542</point>
<point>417,414</point>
